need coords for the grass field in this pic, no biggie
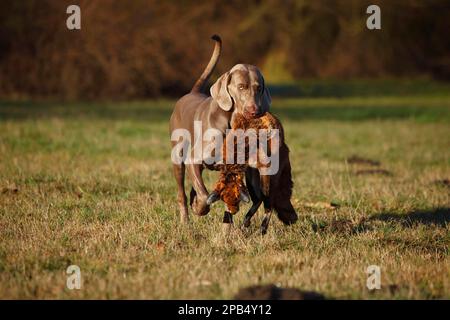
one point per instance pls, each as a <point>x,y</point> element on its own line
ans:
<point>91,184</point>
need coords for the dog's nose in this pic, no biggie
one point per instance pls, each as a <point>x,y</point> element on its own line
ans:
<point>252,110</point>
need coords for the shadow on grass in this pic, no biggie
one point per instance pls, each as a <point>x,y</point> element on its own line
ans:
<point>157,111</point>
<point>149,111</point>
<point>357,87</point>
<point>340,226</point>
<point>362,112</point>
<point>437,217</point>
<point>273,292</point>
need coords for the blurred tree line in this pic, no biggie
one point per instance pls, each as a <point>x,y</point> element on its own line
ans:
<point>150,48</point>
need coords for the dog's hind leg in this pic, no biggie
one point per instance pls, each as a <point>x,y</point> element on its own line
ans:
<point>253,187</point>
<point>179,170</point>
<point>251,212</point>
<point>267,215</point>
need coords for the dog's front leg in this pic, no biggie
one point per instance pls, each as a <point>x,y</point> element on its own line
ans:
<point>198,204</point>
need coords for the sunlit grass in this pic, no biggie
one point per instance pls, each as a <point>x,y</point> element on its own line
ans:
<point>91,184</point>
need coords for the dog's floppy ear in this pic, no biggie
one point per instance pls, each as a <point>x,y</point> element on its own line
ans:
<point>219,92</point>
<point>266,100</point>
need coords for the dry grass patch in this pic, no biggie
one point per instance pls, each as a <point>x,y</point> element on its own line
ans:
<point>97,191</point>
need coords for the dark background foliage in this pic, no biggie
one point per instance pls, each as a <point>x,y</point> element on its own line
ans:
<point>149,48</point>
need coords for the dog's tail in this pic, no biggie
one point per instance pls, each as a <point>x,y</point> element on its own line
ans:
<point>199,85</point>
<point>286,213</point>
<point>281,198</point>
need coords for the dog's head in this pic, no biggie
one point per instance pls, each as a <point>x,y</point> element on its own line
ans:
<point>244,89</point>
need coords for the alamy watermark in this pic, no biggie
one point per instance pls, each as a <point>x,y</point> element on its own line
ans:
<point>73,22</point>
<point>249,147</point>
<point>374,20</point>
<point>73,278</point>
<point>374,277</point>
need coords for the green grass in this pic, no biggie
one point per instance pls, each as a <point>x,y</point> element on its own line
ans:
<point>95,189</point>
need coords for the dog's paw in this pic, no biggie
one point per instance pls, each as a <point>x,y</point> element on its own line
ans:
<point>246,223</point>
<point>199,206</point>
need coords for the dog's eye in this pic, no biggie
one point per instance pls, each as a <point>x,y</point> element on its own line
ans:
<point>258,88</point>
<point>242,87</point>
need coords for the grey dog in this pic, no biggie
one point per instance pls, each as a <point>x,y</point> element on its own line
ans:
<point>239,90</point>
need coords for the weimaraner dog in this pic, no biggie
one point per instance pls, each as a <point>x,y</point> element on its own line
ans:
<point>240,90</point>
